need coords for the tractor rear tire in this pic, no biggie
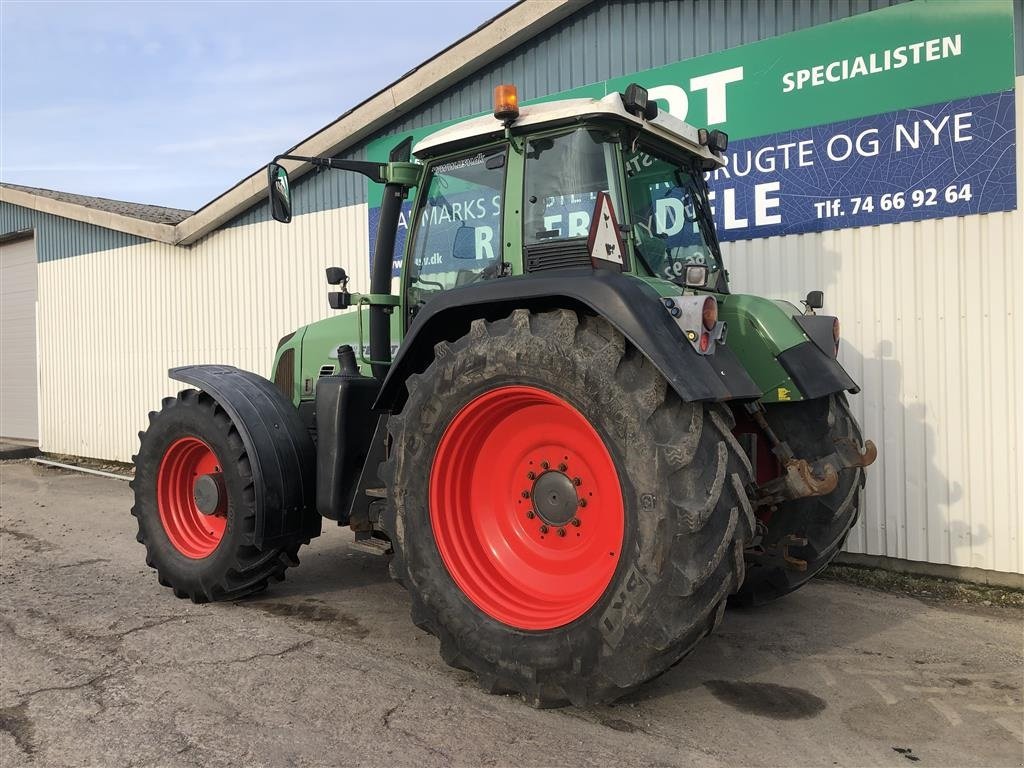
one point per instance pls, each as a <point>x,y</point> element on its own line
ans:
<point>202,557</point>
<point>810,428</point>
<point>565,524</point>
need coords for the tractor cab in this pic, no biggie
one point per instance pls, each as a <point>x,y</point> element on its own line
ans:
<point>516,193</point>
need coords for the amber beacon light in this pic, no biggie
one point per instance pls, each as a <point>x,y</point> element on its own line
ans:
<point>506,103</point>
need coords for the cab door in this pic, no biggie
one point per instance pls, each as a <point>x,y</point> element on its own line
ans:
<point>456,226</point>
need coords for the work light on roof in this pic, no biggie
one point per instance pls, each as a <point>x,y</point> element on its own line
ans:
<point>717,141</point>
<point>636,101</point>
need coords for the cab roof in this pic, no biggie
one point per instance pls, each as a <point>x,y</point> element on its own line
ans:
<point>565,112</point>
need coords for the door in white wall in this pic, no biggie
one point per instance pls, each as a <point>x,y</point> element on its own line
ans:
<point>19,394</point>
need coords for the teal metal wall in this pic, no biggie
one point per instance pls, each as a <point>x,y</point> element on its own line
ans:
<point>60,238</point>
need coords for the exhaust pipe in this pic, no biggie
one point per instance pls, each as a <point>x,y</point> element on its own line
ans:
<point>380,278</point>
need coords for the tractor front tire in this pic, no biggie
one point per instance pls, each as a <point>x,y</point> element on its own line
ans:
<point>566,525</point>
<point>201,556</point>
<point>811,429</point>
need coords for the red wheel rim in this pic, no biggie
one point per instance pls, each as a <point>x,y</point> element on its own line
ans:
<point>505,455</point>
<point>191,532</point>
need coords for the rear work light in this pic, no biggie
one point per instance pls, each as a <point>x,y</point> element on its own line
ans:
<point>506,103</point>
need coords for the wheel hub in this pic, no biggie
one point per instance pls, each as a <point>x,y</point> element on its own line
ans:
<point>191,497</point>
<point>208,493</point>
<point>554,498</point>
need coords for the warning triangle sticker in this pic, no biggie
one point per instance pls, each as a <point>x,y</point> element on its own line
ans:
<point>605,240</point>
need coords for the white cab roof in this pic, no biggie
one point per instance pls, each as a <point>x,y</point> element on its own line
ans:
<point>664,126</point>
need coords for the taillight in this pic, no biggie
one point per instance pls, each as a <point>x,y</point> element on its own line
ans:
<point>705,341</point>
<point>709,315</point>
<point>835,334</point>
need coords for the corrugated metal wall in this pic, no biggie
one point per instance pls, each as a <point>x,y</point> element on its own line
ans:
<point>60,238</point>
<point>931,309</point>
<point>111,323</point>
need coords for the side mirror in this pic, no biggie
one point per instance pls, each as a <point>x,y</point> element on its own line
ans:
<point>401,152</point>
<point>815,300</point>
<point>280,193</point>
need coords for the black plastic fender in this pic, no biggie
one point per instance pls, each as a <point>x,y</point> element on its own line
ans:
<point>818,328</point>
<point>633,307</point>
<point>280,450</point>
<point>815,373</point>
<point>813,366</point>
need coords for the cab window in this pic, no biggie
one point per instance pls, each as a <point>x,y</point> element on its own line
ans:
<point>457,235</point>
<point>671,218</point>
<point>563,176</point>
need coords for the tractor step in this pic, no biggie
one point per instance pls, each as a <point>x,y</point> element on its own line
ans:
<point>372,544</point>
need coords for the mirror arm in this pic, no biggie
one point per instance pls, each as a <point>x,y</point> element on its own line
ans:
<point>375,172</point>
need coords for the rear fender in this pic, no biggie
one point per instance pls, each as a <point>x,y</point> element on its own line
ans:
<point>280,450</point>
<point>635,309</point>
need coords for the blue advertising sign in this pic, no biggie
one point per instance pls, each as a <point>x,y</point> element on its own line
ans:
<point>950,159</point>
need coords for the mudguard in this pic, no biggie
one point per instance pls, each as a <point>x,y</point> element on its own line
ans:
<point>815,373</point>
<point>280,450</point>
<point>629,304</point>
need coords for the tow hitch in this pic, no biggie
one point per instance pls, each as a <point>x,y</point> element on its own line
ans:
<point>801,478</point>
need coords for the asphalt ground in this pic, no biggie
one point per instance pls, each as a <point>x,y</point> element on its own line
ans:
<point>99,665</point>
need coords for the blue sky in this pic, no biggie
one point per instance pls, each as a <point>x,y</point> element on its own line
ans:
<point>173,103</point>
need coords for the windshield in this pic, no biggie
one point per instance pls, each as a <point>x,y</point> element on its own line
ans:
<point>671,216</point>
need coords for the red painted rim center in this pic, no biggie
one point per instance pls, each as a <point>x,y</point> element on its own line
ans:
<point>526,508</point>
<point>192,533</point>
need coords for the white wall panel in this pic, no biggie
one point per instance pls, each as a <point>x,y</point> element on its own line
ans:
<point>931,321</point>
<point>113,322</point>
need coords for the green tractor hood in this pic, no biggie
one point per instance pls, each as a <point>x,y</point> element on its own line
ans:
<point>305,355</point>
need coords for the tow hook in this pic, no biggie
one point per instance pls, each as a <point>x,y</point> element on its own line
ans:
<point>802,479</point>
<point>850,454</point>
<point>799,480</point>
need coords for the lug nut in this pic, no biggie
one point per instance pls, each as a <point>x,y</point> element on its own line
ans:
<point>576,522</point>
<point>530,515</point>
<point>526,494</point>
<point>561,532</point>
<point>544,465</point>
<point>543,529</point>
<point>577,481</point>
<point>582,502</point>
<point>562,467</point>
<point>531,475</point>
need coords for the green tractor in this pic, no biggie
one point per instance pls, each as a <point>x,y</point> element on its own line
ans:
<point>572,441</point>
